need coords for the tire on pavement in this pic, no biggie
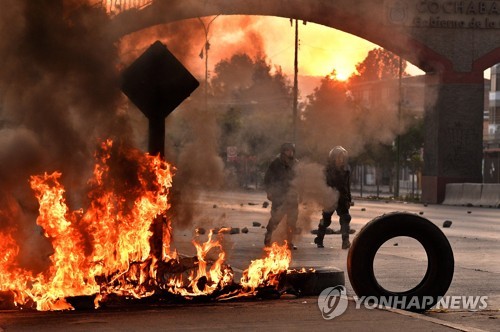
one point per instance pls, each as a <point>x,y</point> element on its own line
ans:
<point>440,260</point>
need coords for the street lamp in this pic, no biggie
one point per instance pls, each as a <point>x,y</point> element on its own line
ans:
<point>206,28</point>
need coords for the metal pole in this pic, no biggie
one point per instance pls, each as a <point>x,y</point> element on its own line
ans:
<point>413,185</point>
<point>156,146</point>
<point>398,143</point>
<point>361,182</point>
<point>206,28</point>
<point>156,143</point>
<point>207,47</point>
<point>295,82</point>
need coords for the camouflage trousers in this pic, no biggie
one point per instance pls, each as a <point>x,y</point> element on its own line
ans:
<point>288,209</point>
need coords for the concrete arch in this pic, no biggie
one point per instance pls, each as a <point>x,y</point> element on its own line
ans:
<point>488,60</point>
<point>365,20</point>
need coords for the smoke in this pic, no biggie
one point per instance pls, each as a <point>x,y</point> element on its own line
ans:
<point>197,148</point>
<point>333,117</point>
<point>59,96</point>
<point>314,194</point>
<point>199,168</point>
<point>186,40</point>
<point>197,155</point>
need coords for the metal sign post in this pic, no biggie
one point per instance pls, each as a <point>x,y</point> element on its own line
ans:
<point>157,83</point>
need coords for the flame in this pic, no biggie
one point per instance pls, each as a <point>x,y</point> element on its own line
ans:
<point>105,248</point>
<point>266,272</point>
<point>118,222</point>
<point>12,277</point>
<point>202,279</point>
<point>67,275</point>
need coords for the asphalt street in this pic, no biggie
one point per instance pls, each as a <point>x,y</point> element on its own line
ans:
<point>399,264</point>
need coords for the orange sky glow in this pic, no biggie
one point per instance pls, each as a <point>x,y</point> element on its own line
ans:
<point>321,49</point>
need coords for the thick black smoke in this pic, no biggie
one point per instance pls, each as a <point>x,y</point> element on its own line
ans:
<point>59,97</point>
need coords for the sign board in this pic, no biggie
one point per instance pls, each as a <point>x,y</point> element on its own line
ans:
<point>157,82</point>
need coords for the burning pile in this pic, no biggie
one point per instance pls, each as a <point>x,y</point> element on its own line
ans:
<point>105,250</point>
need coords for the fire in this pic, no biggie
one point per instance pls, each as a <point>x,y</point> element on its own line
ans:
<point>204,277</point>
<point>266,272</point>
<point>105,249</point>
<point>67,273</point>
<point>12,277</point>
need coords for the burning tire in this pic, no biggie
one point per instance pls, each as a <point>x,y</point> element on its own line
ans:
<point>313,282</point>
<point>440,266</point>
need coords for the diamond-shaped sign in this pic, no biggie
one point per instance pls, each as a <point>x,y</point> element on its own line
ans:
<point>157,82</point>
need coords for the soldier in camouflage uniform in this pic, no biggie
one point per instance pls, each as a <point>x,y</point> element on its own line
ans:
<point>283,197</point>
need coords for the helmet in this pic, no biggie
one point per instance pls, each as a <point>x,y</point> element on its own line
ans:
<point>287,146</point>
<point>338,156</point>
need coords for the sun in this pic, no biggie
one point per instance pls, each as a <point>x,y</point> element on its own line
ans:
<point>342,75</point>
<point>321,48</point>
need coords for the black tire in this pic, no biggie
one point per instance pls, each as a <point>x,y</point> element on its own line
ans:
<point>374,234</point>
<point>312,283</point>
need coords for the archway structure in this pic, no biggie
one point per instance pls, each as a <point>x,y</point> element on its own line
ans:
<point>453,41</point>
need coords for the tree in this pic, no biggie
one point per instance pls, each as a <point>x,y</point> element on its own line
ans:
<point>379,64</point>
<point>412,143</point>
<point>254,107</point>
<point>379,72</point>
<point>232,75</point>
<point>328,109</point>
<point>261,99</point>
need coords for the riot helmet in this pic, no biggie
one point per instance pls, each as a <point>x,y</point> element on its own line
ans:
<point>287,146</point>
<point>338,157</point>
<point>287,152</point>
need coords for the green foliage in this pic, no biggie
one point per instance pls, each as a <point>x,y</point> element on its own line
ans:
<point>411,144</point>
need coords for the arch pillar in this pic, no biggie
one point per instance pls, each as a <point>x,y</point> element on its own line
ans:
<point>454,103</point>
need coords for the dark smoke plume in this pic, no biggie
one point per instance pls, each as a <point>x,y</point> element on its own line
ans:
<point>59,96</point>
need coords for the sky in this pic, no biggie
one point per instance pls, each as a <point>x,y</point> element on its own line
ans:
<point>321,48</point>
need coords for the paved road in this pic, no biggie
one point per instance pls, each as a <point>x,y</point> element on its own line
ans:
<point>399,264</point>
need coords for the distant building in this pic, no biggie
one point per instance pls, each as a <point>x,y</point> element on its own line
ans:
<point>385,93</point>
<point>491,141</point>
<point>373,93</point>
